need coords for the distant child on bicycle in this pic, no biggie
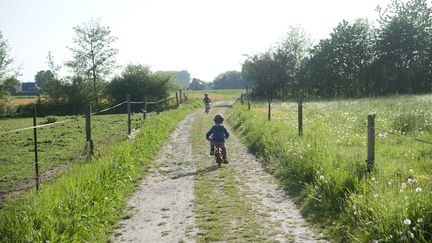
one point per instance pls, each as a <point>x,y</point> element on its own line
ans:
<point>207,102</point>
<point>217,135</point>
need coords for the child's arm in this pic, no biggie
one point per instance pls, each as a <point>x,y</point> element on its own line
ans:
<point>209,133</point>
<point>226,133</point>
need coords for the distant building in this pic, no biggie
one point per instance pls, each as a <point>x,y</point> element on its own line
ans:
<point>29,88</point>
<point>197,84</point>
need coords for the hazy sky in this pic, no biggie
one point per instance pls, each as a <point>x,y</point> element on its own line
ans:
<point>204,37</point>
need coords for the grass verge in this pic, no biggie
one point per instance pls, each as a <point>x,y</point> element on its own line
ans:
<point>325,169</point>
<point>85,202</point>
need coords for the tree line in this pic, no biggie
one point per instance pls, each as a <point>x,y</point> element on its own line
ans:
<point>391,56</point>
<point>93,62</point>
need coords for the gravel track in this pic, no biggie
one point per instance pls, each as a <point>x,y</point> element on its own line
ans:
<point>161,210</point>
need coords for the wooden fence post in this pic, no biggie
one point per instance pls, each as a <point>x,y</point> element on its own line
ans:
<point>248,100</point>
<point>181,101</point>
<point>242,98</point>
<point>89,142</point>
<point>129,114</point>
<point>371,142</point>
<point>35,148</point>
<point>300,114</point>
<point>269,109</point>
<point>145,108</point>
<point>177,99</point>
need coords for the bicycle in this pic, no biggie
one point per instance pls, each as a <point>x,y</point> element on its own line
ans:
<point>207,108</point>
<point>218,154</point>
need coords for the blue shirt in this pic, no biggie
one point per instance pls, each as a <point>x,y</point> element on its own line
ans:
<point>218,133</point>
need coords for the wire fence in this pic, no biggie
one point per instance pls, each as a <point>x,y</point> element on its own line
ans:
<point>88,115</point>
<point>371,129</point>
<point>403,136</point>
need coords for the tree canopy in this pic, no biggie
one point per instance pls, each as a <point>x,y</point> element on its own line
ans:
<point>139,82</point>
<point>94,56</point>
<point>5,60</point>
<point>356,60</point>
<point>42,77</point>
<point>230,80</point>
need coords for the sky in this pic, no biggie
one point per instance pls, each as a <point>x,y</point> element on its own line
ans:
<point>202,36</point>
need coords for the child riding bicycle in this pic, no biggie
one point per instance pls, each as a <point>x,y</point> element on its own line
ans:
<point>207,101</point>
<point>217,135</point>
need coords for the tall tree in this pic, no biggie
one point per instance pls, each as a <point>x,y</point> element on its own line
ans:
<point>53,67</point>
<point>7,80</point>
<point>5,59</point>
<point>291,53</point>
<point>264,72</point>
<point>404,47</point>
<point>93,54</point>
<point>43,77</point>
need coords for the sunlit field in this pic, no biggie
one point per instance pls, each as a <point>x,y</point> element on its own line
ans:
<point>59,145</point>
<point>216,94</point>
<point>326,168</point>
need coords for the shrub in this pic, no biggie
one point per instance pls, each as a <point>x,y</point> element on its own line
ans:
<point>50,119</point>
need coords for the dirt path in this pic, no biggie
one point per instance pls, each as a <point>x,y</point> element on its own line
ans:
<point>185,198</point>
<point>161,210</point>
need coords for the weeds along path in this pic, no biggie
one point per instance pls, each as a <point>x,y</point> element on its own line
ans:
<point>161,209</point>
<point>185,197</point>
<point>242,202</point>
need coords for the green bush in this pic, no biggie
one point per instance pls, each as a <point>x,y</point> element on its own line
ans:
<point>50,119</point>
<point>7,107</point>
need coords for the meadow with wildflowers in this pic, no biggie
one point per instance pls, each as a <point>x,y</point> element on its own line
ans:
<point>325,169</point>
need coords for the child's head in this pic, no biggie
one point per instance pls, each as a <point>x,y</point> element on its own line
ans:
<point>205,94</point>
<point>218,119</point>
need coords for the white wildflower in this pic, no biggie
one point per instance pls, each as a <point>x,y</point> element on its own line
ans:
<point>419,220</point>
<point>418,189</point>
<point>411,234</point>
<point>410,181</point>
<point>407,221</point>
<point>321,177</point>
<point>376,195</point>
<point>403,186</point>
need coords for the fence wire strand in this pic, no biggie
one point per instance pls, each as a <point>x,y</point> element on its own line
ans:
<point>74,119</point>
<point>107,109</point>
<point>39,126</point>
<point>14,172</point>
<point>403,136</point>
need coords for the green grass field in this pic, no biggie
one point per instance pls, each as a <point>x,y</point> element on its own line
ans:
<point>326,168</point>
<point>59,145</point>
<point>84,202</point>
